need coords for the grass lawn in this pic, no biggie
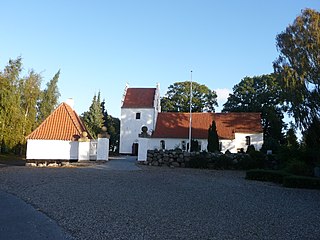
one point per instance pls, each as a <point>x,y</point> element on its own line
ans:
<point>11,159</point>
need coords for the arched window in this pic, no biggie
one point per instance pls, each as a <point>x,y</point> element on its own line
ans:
<point>183,145</point>
<point>162,144</point>
<point>248,140</point>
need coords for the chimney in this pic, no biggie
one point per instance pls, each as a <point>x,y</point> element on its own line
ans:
<point>70,102</point>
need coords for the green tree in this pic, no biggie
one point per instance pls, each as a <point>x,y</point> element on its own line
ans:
<point>177,98</point>
<point>213,138</point>
<point>259,94</point>
<point>10,112</point>
<point>30,94</point>
<point>311,139</point>
<point>298,67</point>
<point>93,119</point>
<point>49,98</point>
<point>113,128</point>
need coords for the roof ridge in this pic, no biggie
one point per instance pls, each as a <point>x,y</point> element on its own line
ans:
<point>67,108</point>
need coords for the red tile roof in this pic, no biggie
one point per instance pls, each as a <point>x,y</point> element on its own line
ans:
<point>176,125</point>
<point>62,124</point>
<point>139,98</point>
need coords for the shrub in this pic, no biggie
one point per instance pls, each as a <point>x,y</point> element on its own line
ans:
<point>223,162</point>
<point>298,167</point>
<point>301,182</point>
<point>247,162</point>
<point>266,175</point>
<point>198,161</point>
<point>259,158</point>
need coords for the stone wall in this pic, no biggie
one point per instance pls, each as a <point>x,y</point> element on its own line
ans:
<point>178,158</point>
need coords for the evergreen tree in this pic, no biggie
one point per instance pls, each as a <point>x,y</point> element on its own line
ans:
<point>93,119</point>
<point>213,138</point>
<point>49,98</point>
<point>113,128</point>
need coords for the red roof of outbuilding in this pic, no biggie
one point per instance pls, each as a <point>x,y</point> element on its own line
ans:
<point>176,125</point>
<point>139,98</point>
<point>62,124</point>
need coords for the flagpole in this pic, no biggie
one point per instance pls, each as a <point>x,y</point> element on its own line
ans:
<point>190,119</point>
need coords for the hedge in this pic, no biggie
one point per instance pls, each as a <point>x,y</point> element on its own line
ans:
<point>266,175</point>
<point>301,182</point>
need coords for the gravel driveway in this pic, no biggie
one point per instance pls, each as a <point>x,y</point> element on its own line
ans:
<point>165,203</point>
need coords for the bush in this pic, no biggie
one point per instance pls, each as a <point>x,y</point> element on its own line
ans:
<point>259,158</point>
<point>247,162</point>
<point>266,175</point>
<point>198,161</point>
<point>301,182</point>
<point>298,167</point>
<point>223,162</point>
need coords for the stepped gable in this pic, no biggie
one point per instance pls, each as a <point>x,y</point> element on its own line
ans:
<point>62,124</point>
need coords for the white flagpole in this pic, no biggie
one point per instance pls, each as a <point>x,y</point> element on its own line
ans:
<point>190,120</point>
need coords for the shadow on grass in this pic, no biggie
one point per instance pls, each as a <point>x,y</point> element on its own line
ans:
<point>12,160</point>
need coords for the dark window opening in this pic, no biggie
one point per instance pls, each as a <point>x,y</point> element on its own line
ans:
<point>138,115</point>
<point>248,140</point>
<point>162,144</point>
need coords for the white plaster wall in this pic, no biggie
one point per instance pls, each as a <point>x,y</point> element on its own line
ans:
<point>103,149</point>
<point>130,127</point>
<point>52,149</point>
<point>143,149</point>
<point>231,145</point>
<point>240,140</point>
<point>84,151</point>
<point>172,143</point>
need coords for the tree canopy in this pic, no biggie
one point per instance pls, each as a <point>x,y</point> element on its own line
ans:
<point>298,67</point>
<point>93,119</point>
<point>177,98</point>
<point>20,98</point>
<point>259,94</point>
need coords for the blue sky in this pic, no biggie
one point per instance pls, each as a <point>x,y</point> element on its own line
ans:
<point>102,45</point>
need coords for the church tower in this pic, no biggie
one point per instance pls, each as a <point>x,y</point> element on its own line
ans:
<point>140,107</point>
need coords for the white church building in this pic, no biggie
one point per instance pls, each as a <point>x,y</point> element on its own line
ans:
<point>168,130</point>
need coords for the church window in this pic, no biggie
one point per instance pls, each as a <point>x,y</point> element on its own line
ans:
<point>162,144</point>
<point>184,145</point>
<point>248,140</point>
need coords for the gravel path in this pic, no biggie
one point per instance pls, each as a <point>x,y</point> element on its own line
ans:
<point>164,203</point>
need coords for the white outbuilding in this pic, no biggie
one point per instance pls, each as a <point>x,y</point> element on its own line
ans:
<point>57,136</point>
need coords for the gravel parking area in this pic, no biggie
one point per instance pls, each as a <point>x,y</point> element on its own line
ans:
<point>165,203</point>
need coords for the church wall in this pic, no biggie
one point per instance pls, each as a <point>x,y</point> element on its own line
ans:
<point>130,127</point>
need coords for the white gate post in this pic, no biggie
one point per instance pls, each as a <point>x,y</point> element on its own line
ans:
<point>103,149</point>
<point>84,151</point>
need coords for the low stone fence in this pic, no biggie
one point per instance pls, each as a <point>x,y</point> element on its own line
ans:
<point>178,158</point>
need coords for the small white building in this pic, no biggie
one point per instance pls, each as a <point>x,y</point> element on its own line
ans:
<point>141,107</point>
<point>57,136</point>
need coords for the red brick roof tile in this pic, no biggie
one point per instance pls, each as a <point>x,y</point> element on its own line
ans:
<point>176,125</point>
<point>139,98</point>
<point>61,124</point>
